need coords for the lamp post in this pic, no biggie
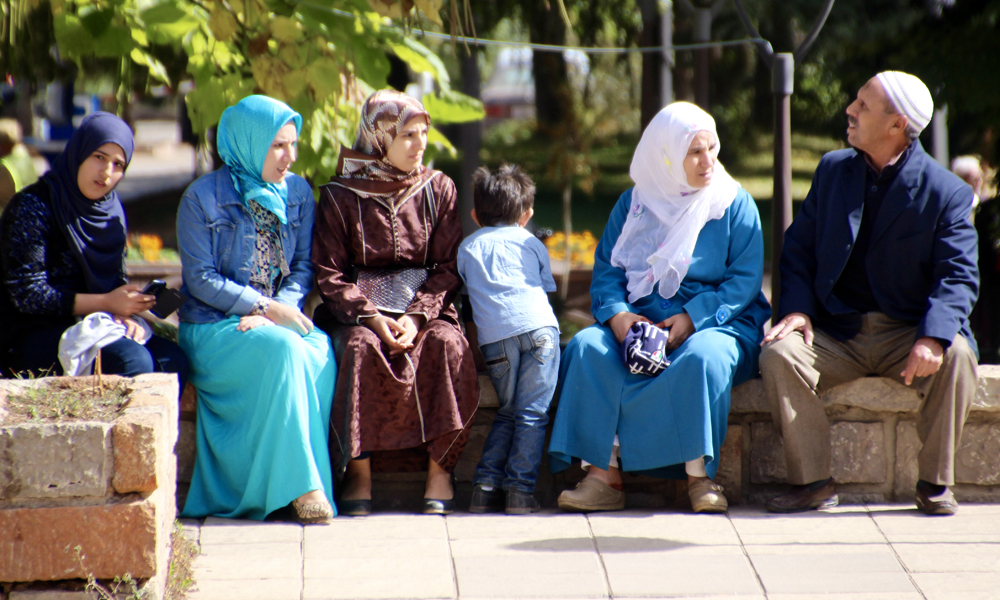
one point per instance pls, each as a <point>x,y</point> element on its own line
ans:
<point>782,66</point>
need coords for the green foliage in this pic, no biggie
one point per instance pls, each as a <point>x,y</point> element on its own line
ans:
<point>180,573</point>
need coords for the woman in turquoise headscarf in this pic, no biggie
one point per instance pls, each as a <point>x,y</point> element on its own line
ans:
<point>264,375</point>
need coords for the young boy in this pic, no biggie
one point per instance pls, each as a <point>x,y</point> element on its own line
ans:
<point>507,273</point>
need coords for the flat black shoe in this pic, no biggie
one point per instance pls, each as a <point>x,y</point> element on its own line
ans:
<point>438,507</point>
<point>935,500</point>
<point>354,508</point>
<point>484,501</point>
<point>817,495</point>
<point>520,503</point>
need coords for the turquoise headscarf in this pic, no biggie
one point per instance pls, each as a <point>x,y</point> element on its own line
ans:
<point>245,133</point>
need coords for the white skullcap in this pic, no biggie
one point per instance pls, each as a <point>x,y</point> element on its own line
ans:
<point>910,97</point>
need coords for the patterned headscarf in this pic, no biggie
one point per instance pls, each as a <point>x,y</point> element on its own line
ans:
<point>95,229</point>
<point>365,169</point>
<point>246,131</point>
<point>667,214</point>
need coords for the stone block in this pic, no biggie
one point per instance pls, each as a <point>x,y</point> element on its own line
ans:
<point>730,474</point>
<point>767,454</point>
<point>988,394</point>
<point>978,457</point>
<point>873,393</point>
<point>115,539</point>
<point>748,397</point>
<point>907,448</point>
<point>858,452</point>
<point>186,450</point>
<point>189,403</point>
<point>56,460</point>
<point>135,437</point>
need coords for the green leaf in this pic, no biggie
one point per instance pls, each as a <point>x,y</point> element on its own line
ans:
<point>324,77</point>
<point>156,68</point>
<point>168,24</point>
<point>96,20</point>
<point>116,41</point>
<point>438,143</point>
<point>421,59</point>
<point>370,62</point>
<point>452,107</point>
<point>72,37</point>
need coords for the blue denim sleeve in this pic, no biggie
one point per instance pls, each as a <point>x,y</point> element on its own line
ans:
<point>295,287</point>
<point>609,287</point>
<point>545,267</point>
<point>198,262</point>
<point>25,257</point>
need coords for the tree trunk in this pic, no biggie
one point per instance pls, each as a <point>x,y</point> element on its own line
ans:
<point>652,63</point>
<point>553,97</point>
<point>567,207</point>
<point>470,140</point>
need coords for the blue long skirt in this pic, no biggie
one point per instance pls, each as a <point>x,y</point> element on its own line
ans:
<point>662,421</point>
<point>264,399</point>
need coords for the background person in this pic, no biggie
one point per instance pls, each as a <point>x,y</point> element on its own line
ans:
<point>385,246</point>
<point>62,257</point>
<point>878,276</point>
<point>682,249</point>
<point>264,375</point>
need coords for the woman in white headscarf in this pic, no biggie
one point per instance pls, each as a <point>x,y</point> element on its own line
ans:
<point>683,250</point>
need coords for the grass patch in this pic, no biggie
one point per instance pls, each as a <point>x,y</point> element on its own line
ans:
<point>66,399</point>
<point>180,575</point>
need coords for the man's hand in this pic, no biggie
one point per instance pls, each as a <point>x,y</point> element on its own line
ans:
<point>792,322</point>
<point>925,359</point>
<point>681,327</point>
<point>621,323</point>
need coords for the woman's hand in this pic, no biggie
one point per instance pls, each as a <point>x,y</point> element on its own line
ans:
<point>133,330</point>
<point>411,324</point>
<point>388,330</point>
<point>288,317</point>
<point>252,322</point>
<point>621,323</point>
<point>126,300</point>
<point>681,327</point>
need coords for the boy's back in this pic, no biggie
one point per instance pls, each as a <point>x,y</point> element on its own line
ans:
<point>507,274</point>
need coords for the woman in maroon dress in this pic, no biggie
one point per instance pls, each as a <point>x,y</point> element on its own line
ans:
<point>385,245</point>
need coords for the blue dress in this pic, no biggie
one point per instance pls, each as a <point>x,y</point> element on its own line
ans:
<point>682,413</point>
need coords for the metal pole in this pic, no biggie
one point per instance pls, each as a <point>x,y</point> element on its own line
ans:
<point>782,84</point>
<point>702,33</point>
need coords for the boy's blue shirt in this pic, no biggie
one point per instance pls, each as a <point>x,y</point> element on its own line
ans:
<point>507,274</point>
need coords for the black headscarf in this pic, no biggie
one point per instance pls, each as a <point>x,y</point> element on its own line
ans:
<point>95,229</point>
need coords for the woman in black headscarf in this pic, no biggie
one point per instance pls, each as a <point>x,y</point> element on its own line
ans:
<point>62,257</point>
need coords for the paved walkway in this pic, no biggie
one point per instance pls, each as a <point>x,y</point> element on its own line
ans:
<point>850,553</point>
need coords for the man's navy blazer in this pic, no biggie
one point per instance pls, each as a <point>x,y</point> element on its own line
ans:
<point>922,257</point>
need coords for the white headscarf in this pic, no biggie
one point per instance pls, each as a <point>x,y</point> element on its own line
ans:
<point>667,214</point>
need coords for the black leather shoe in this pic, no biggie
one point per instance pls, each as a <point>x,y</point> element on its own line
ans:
<point>484,501</point>
<point>819,494</point>
<point>520,503</point>
<point>935,499</point>
<point>354,508</point>
<point>438,507</point>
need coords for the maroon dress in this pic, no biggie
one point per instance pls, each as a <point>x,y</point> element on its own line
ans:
<point>421,403</point>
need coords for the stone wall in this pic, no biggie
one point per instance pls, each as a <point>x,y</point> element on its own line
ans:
<point>106,487</point>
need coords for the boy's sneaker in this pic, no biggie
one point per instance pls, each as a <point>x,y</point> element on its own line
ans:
<point>486,501</point>
<point>520,503</point>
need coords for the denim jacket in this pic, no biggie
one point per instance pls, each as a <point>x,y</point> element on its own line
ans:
<point>217,239</point>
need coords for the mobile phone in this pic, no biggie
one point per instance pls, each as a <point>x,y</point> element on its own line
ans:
<point>155,287</point>
<point>167,302</point>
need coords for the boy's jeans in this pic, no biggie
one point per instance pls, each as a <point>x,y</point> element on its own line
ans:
<point>524,370</point>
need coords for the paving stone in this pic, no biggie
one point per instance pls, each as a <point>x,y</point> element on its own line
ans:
<point>280,560</point>
<point>51,595</point>
<point>857,452</point>
<point>135,437</point>
<point>216,531</point>
<point>730,474</point>
<point>988,392</point>
<point>949,558</point>
<point>380,526</point>
<point>186,450</point>
<point>614,531</point>
<point>907,449</point>
<point>688,571</point>
<point>58,460</point>
<point>978,457</point>
<point>767,454</point>
<point>845,525</point>
<point>534,575</point>
<point>403,586</point>
<point>247,589</point>
<point>522,546</point>
<point>958,586</point>
<point>843,569</point>
<point>914,595</point>
<point>38,543</point>
<point>370,548</point>
<point>543,526</point>
<point>909,525</point>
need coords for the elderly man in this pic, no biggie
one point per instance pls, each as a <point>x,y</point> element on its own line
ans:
<point>878,277</point>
